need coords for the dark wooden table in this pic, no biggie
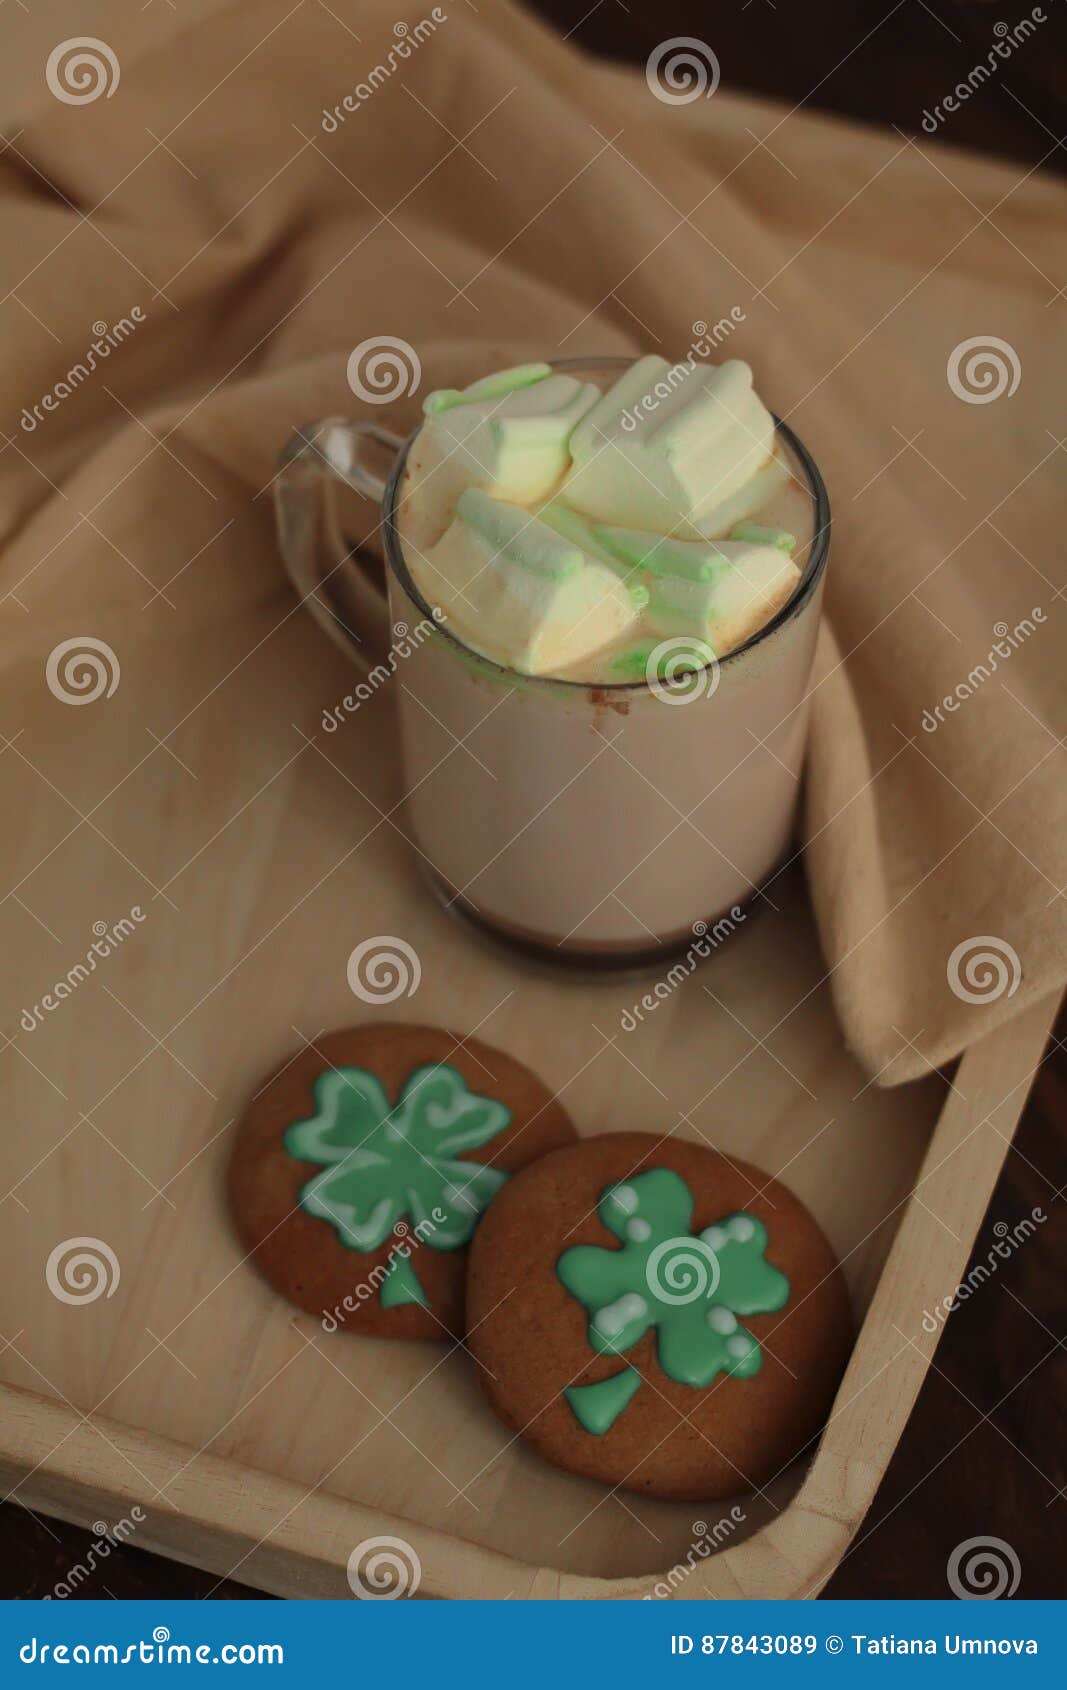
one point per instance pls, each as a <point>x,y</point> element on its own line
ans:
<point>885,61</point>
<point>985,1452</point>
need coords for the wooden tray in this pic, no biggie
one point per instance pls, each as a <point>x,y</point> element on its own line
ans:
<point>254,1442</point>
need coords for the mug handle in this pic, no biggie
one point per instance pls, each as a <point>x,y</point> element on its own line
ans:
<point>333,577</point>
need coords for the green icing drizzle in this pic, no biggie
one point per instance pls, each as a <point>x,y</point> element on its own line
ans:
<point>757,535</point>
<point>671,665</point>
<point>381,1163</point>
<point>636,663</point>
<point>496,386</point>
<point>685,560</point>
<point>597,1407</point>
<point>690,1287</point>
<point>632,664</point>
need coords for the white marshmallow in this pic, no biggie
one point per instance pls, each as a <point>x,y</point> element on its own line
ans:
<point>509,441</point>
<point>719,592</point>
<point>726,609</point>
<point>517,591</point>
<point>685,448</point>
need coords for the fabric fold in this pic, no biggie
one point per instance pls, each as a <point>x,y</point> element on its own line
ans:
<point>495,196</point>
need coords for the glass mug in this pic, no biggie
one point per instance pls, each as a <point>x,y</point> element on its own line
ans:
<point>595,826</point>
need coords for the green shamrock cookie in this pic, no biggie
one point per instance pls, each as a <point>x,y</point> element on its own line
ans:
<point>382,1163</point>
<point>691,1288</point>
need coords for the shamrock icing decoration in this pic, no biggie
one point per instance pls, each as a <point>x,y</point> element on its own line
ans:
<point>691,1288</point>
<point>381,1163</point>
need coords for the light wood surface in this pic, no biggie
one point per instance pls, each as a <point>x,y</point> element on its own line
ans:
<point>293,1542</point>
<point>256,1442</point>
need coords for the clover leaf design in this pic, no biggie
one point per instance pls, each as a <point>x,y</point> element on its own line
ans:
<point>381,1162</point>
<point>691,1288</point>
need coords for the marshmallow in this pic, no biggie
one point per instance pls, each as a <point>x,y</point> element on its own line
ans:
<point>489,387</point>
<point>563,531</point>
<point>516,590</point>
<point>718,592</point>
<point>685,448</point>
<point>508,440</point>
<point>748,584</point>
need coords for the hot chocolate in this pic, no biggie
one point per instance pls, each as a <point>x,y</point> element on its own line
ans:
<point>600,548</point>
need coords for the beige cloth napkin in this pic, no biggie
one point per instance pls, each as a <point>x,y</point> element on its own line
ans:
<point>492,194</point>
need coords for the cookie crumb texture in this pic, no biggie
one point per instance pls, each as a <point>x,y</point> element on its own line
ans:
<point>404,1287</point>
<point>654,1434</point>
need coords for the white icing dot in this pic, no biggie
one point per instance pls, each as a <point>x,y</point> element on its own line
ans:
<point>714,1237</point>
<point>721,1320</point>
<point>738,1346</point>
<point>741,1227</point>
<point>638,1230</point>
<point>612,1319</point>
<point>625,1198</point>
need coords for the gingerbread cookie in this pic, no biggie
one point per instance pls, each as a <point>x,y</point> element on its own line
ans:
<point>363,1166</point>
<point>651,1315</point>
